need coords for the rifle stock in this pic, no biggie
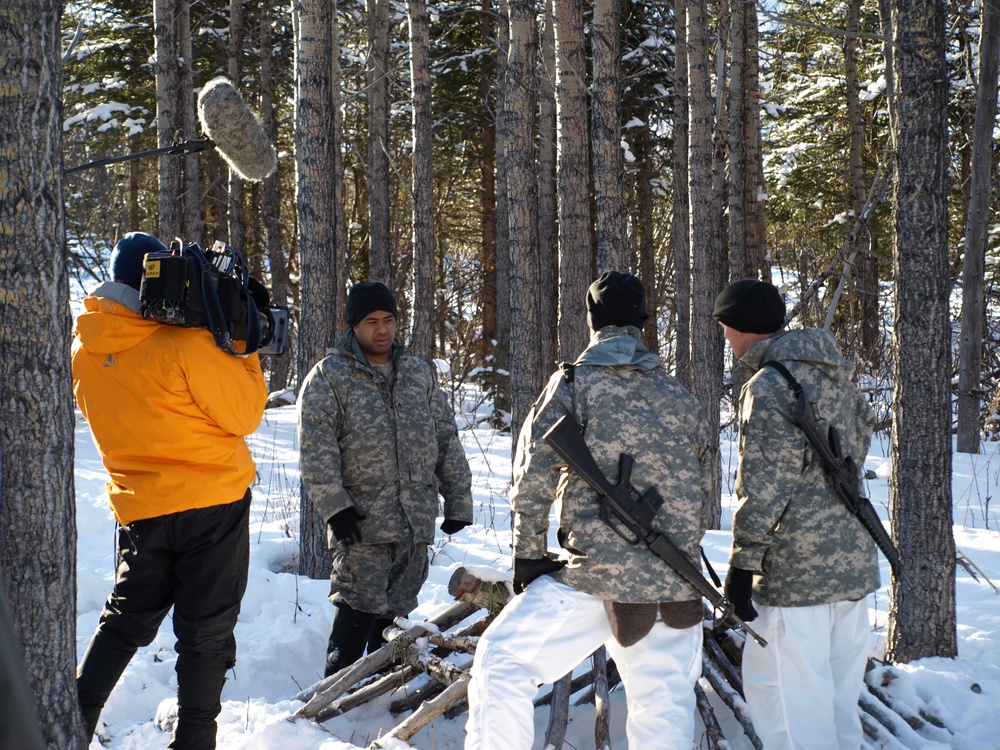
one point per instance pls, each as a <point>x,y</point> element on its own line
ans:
<point>636,511</point>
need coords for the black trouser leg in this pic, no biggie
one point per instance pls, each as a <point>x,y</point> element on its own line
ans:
<point>376,639</point>
<point>98,673</point>
<point>348,637</point>
<point>199,690</point>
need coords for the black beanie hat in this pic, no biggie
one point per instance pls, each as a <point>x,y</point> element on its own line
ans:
<point>616,299</point>
<point>127,258</point>
<point>750,306</point>
<point>366,298</point>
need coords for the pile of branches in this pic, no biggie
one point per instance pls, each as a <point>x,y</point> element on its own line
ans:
<point>426,664</point>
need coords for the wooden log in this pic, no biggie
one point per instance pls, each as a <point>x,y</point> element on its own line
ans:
<point>733,700</point>
<point>602,702</point>
<point>446,643</point>
<point>722,659</point>
<point>713,731</point>
<point>555,733</point>
<point>384,684</point>
<point>443,671</point>
<point>325,692</point>
<point>927,729</point>
<point>416,696</point>
<point>490,595</point>
<point>428,711</point>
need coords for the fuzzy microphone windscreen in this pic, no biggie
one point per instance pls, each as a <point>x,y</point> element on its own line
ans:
<point>236,131</point>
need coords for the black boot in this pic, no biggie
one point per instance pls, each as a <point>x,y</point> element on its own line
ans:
<point>98,673</point>
<point>348,638</point>
<point>199,689</point>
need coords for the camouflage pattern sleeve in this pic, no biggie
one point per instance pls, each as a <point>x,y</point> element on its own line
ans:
<point>319,448</point>
<point>535,471</point>
<point>771,449</point>
<point>452,470</point>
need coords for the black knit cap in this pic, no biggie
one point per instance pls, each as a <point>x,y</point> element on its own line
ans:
<point>364,299</point>
<point>750,306</point>
<point>127,259</point>
<point>616,299</point>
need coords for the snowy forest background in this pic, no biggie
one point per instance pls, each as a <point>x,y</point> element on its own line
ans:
<point>488,162</point>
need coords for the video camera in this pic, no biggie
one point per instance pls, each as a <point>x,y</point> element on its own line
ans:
<point>213,289</point>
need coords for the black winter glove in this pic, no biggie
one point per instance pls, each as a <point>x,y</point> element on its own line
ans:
<point>527,569</point>
<point>739,584</point>
<point>344,525</point>
<point>453,526</point>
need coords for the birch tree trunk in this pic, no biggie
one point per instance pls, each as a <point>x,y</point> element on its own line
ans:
<point>37,509</point>
<point>422,309</point>
<point>376,66</point>
<point>573,177</point>
<point>167,82</point>
<point>922,616</point>
<point>970,354</point>
<point>518,118</point>
<point>314,199</point>
<point>606,132</point>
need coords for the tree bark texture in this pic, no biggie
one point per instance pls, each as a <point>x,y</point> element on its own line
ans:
<point>377,64</point>
<point>518,119</point>
<point>502,405</point>
<point>270,199</point>
<point>37,509</point>
<point>682,202</point>
<point>167,82</point>
<point>235,215</point>
<point>706,256</point>
<point>422,302</point>
<point>191,195</point>
<point>921,617</point>
<point>575,262</point>
<point>970,354</point>
<point>606,133</point>
<point>488,85</point>
<point>743,190</point>
<point>314,199</point>
<point>548,231</point>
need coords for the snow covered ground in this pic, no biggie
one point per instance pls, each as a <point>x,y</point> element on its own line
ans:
<point>285,620</point>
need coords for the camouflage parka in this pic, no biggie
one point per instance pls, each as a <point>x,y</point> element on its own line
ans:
<point>790,525</point>
<point>386,451</point>
<point>625,402</point>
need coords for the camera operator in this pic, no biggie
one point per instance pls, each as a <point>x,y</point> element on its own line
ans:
<point>169,412</point>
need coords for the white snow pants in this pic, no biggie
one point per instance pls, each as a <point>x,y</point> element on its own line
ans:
<point>802,689</point>
<point>547,631</point>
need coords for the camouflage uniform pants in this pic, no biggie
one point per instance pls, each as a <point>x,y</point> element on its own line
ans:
<point>383,579</point>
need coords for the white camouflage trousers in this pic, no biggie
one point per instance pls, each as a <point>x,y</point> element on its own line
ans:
<point>802,690</point>
<point>547,631</point>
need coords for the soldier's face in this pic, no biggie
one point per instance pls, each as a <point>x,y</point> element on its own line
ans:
<point>739,342</point>
<point>375,333</point>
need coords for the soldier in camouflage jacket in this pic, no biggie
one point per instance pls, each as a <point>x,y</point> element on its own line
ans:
<point>602,590</point>
<point>378,442</point>
<point>805,557</point>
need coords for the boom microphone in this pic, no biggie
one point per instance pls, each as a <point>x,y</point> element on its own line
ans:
<point>236,131</point>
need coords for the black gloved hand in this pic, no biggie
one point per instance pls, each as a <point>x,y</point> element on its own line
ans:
<point>528,569</point>
<point>739,585</point>
<point>453,526</point>
<point>344,525</point>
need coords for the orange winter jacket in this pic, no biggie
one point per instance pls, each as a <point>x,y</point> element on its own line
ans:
<point>167,408</point>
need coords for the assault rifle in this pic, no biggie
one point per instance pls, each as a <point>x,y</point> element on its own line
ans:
<point>635,512</point>
<point>841,469</point>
